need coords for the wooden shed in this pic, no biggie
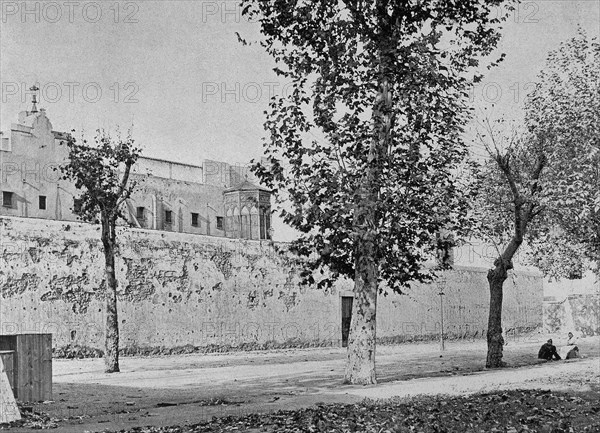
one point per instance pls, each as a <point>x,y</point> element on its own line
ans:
<point>28,363</point>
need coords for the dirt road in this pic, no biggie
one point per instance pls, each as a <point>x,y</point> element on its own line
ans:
<point>190,388</point>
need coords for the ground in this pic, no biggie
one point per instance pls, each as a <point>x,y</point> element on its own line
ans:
<point>188,389</point>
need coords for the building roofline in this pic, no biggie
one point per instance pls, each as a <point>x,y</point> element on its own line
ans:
<point>246,186</point>
<point>18,127</point>
<point>170,162</point>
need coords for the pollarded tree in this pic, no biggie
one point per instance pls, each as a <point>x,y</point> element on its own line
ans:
<point>541,185</point>
<point>383,84</point>
<point>102,173</point>
<point>509,197</point>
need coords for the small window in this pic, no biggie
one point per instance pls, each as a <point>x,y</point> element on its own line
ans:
<point>140,213</point>
<point>219,223</point>
<point>77,203</point>
<point>42,202</point>
<point>168,217</point>
<point>7,199</point>
<point>195,219</point>
<point>5,144</point>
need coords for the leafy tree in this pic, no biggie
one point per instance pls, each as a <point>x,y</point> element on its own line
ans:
<point>382,85</point>
<point>102,173</point>
<point>565,105</point>
<point>541,184</point>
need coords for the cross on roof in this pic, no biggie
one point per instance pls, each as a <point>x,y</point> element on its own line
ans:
<point>34,89</point>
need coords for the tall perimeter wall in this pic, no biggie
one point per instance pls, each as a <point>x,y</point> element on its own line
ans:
<point>178,289</point>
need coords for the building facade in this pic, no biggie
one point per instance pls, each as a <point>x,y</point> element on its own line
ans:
<point>216,198</point>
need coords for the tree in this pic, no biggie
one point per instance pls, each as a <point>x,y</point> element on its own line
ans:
<point>541,184</point>
<point>102,174</point>
<point>509,192</point>
<point>364,150</point>
<point>565,105</point>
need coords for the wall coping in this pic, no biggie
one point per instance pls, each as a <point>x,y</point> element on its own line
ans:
<point>151,234</point>
<point>485,270</point>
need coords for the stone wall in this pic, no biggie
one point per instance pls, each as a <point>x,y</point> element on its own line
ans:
<point>179,289</point>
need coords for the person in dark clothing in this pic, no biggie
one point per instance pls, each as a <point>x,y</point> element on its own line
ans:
<point>548,352</point>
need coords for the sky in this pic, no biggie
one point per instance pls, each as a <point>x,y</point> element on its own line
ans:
<point>174,69</point>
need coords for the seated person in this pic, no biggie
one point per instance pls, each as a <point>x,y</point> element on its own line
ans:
<point>571,350</point>
<point>548,352</point>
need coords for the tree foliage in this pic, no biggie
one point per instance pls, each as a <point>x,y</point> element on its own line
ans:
<point>565,107</point>
<point>101,172</point>
<point>337,57</point>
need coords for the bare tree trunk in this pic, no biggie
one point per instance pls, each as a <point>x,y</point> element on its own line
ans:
<point>495,341</point>
<point>111,353</point>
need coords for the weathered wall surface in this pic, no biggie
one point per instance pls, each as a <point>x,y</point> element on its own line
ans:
<point>178,289</point>
<point>465,306</point>
<point>575,313</point>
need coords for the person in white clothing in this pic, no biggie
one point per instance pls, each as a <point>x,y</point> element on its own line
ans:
<point>572,341</point>
<point>571,350</point>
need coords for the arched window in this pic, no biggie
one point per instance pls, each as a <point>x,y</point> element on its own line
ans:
<point>236,224</point>
<point>254,223</point>
<point>245,224</point>
<point>229,220</point>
